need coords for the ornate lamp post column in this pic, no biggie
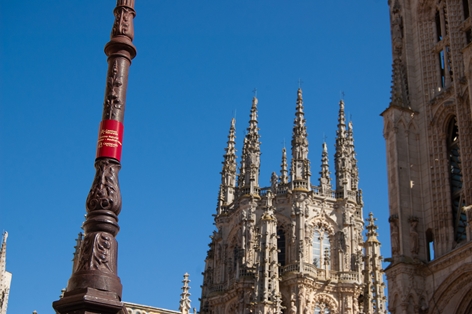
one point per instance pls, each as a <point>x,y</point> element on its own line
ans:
<point>94,286</point>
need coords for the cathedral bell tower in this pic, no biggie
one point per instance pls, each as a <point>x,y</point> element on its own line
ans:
<point>292,247</point>
<point>427,129</point>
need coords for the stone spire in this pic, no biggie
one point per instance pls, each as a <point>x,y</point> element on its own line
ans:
<point>284,168</point>
<point>184,307</point>
<point>325,179</point>
<point>5,277</point>
<point>3,253</point>
<point>399,90</point>
<point>300,169</point>
<point>248,181</point>
<point>352,151</point>
<point>342,156</point>
<point>228,173</point>
<point>374,288</point>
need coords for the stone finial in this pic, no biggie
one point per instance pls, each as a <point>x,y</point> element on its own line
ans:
<point>325,179</point>
<point>3,253</point>
<point>185,307</point>
<point>300,167</point>
<point>372,228</point>
<point>284,168</point>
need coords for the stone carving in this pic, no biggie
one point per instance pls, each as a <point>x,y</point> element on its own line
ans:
<point>301,297</point>
<point>301,250</point>
<point>294,231</point>
<point>326,301</point>
<point>394,236</point>
<point>414,240</point>
<point>293,307</point>
<point>105,192</point>
<point>342,242</point>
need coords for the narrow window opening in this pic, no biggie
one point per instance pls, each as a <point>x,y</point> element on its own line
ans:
<point>446,22</point>
<point>449,63</point>
<point>437,18</point>
<point>468,36</point>
<point>430,247</point>
<point>465,6</point>
<point>442,71</point>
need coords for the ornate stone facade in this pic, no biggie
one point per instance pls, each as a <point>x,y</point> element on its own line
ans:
<point>292,247</point>
<point>428,128</point>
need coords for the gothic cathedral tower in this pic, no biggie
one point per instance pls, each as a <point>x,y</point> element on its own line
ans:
<point>292,247</point>
<point>428,132</point>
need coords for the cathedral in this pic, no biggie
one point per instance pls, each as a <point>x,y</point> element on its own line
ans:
<point>292,247</point>
<point>295,247</point>
<point>428,134</point>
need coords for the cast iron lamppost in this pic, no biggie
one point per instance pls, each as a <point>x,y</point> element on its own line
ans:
<point>94,286</point>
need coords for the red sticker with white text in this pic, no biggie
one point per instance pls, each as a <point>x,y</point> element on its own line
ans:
<point>110,139</point>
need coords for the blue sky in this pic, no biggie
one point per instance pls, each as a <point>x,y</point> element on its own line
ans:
<point>198,62</point>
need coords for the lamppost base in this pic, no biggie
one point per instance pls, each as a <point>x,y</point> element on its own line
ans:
<point>89,301</point>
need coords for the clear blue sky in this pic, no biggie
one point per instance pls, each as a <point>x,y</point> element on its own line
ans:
<point>197,64</point>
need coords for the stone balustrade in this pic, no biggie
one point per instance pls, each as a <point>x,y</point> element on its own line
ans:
<point>322,274</point>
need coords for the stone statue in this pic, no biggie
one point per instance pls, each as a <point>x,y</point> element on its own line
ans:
<point>394,235</point>
<point>293,307</point>
<point>414,241</point>
<point>294,231</point>
<point>301,297</point>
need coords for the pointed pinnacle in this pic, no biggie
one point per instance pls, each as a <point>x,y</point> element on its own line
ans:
<point>5,236</point>
<point>283,166</point>
<point>341,120</point>
<point>371,228</point>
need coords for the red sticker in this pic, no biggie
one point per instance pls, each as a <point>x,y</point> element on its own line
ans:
<point>110,139</point>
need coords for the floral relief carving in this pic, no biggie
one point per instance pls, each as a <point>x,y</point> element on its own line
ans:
<point>123,22</point>
<point>105,191</point>
<point>97,253</point>
<point>114,82</point>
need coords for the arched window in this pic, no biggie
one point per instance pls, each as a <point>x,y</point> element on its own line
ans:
<point>455,180</point>
<point>321,249</point>
<point>281,246</point>
<point>318,310</point>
